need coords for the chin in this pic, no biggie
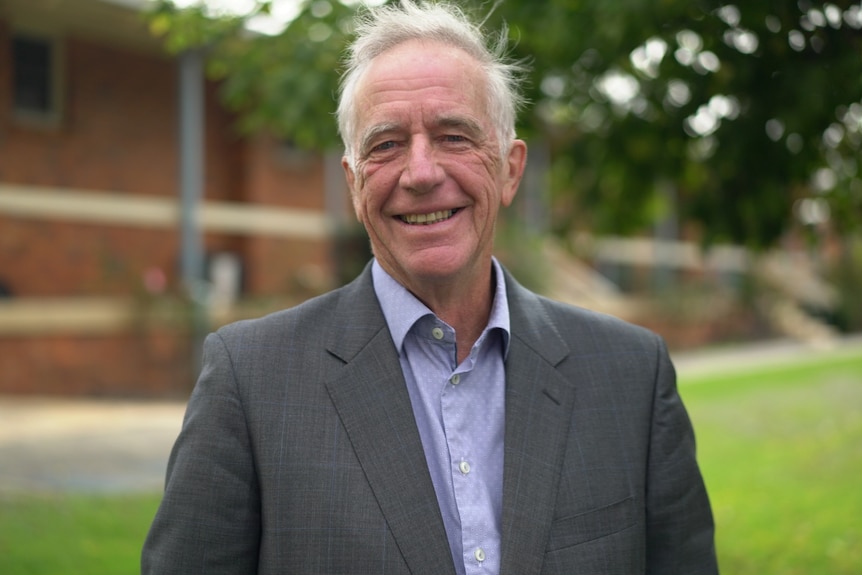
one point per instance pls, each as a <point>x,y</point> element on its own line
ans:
<point>438,266</point>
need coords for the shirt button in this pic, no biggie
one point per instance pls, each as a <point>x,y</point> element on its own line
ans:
<point>479,554</point>
<point>456,379</point>
<point>465,469</point>
<point>437,333</point>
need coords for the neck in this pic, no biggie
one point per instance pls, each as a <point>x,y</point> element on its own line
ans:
<point>465,305</point>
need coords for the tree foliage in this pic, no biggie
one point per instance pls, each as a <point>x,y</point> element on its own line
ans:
<point>742,118</point>
<point>742,112</point>
<point>284,83</point>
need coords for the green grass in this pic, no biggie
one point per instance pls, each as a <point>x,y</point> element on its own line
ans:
<point>780,449</point>
<point>781,452</point>
<point>73,534</point>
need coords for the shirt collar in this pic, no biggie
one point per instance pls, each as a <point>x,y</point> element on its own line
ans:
<point>402,309</point>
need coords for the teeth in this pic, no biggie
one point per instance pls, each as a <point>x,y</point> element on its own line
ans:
<point>426,219</point>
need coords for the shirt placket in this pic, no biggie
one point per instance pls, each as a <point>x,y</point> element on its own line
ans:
<point>458,413</point>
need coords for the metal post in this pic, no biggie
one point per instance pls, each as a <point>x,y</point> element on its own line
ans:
<point>534,189</point>
<point>666,233</point>
<point>191,162</point>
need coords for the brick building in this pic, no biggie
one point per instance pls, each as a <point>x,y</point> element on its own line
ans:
<point>90,294</point>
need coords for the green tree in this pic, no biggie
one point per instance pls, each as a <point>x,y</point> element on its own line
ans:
<point>741,111</point>
<point>285,82</point>
<point>740,117</point>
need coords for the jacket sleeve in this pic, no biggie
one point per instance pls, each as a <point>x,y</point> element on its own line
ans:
<point>680,531</point>
<point>209,518</point>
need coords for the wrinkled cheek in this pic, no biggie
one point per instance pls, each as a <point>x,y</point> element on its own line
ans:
<point>357,207</point>
<point>366,203</point>
<point>359,196</point>
<point>368,216</point>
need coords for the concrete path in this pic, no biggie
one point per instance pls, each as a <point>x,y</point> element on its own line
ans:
<point>62,445</point>
<point>776,353</point>
<point>55,444</point>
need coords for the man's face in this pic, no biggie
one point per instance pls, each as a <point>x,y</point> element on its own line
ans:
<point>429,178</point>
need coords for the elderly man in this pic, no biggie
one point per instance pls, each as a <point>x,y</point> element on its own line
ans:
<point>433,416</point>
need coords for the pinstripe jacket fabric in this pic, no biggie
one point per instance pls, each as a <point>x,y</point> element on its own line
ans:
<point>299,452</point>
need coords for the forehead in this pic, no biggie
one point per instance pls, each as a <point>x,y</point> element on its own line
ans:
<point>421,75</point>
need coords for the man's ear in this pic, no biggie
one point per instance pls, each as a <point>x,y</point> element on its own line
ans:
<point>513,168</point>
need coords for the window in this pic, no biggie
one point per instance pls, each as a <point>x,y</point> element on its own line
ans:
<point>35,79</point>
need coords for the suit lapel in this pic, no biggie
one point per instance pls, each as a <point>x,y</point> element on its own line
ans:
<point>372,401</point>
<point>538,415</point>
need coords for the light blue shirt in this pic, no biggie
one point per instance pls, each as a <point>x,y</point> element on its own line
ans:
<point>460,412</point>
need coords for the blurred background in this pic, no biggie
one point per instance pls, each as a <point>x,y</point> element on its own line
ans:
<point>170,166</point>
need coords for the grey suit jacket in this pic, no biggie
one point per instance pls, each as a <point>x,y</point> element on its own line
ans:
<point>299,452</point>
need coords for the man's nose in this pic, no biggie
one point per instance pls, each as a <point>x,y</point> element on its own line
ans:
<point>422,172</point>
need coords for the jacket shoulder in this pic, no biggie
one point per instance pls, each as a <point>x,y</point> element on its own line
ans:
<point>311,314</point>
<point>598,322</point>
<point>547,324</point>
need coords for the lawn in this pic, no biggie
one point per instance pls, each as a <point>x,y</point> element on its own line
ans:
<point>781,452</point>
<point>73,534</point>
<point>780,448</point>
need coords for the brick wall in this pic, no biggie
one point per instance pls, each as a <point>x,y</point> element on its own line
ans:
<point>119,128</point>
<point>137,364</point>
<point>118,134</point>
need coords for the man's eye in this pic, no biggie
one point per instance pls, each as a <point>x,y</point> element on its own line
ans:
<point>454,138</point>
<point>388,145</point>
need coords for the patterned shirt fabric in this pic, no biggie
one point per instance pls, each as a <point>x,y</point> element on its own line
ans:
<point>459,410</point>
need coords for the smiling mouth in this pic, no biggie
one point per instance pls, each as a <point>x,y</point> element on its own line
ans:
<point>427,219</point>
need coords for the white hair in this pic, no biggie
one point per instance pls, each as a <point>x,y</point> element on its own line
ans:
<point>380,29</point>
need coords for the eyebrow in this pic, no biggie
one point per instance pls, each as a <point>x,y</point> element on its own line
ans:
<point>373,132</point>
<point>465,123</point>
